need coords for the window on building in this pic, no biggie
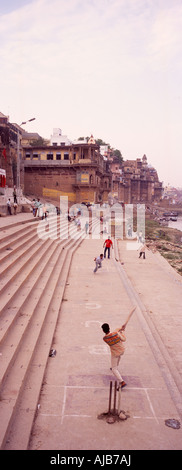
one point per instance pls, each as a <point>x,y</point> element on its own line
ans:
<point>49,156</point>
<point>66,156</point>
<point>58,156</point>
<point>27,155</point>
<point>55,144</point>
<point>35,155</point>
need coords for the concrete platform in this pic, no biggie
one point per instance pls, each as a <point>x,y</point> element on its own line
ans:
<point>75,390</point>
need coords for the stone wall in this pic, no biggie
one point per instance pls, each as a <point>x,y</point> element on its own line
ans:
<point>38,180</point>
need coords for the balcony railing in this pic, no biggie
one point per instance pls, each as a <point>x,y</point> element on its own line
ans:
<point>43,163</point>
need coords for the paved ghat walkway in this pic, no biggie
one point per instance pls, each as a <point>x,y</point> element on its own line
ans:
<point>159,290</point>
<point>76,386</point>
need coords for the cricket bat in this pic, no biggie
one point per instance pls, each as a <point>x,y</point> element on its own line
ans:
<point>128,318</point>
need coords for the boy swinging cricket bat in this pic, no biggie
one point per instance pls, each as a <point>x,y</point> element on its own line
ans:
<point>115,341</point>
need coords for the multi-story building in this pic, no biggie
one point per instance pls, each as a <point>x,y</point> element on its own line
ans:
<point>8,149</point>
<point>84,175</point>
<point>135,181</point>
<point>75,170</point>
<point>141,181</point>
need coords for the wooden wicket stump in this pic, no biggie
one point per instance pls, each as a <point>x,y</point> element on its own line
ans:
<point>114,414</point>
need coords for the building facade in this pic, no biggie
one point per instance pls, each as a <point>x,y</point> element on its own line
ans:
<point>80,172</point>
<point>135,181</point>
<point>57,139</point>
<point>76,170</point>
<point>80,169</point>
<point>8,149</point>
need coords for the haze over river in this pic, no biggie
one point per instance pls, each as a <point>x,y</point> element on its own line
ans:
<point>177,224</point>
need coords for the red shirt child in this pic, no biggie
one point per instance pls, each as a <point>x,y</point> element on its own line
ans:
<point>108,243</point>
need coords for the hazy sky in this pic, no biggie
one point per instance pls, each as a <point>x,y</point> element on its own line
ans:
<point>108,67</point>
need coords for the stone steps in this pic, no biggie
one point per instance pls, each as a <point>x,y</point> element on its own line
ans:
<point>13,240</point>
<point>32,285</point>
<point>10,262</point>
<point>28,401</point>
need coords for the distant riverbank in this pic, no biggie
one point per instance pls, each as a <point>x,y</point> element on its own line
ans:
<point>167,240</point>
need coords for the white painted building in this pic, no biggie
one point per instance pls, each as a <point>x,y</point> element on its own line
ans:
<point>104,150</point>
<point>58,139</point>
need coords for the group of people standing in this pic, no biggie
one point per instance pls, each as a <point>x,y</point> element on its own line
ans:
<point>39,209</point>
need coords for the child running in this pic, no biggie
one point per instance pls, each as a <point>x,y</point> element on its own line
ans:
<point>98,262</point>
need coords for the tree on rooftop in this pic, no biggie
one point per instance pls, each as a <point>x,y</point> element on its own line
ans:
<point>101,142</point>
<point>118,154</point>
<point>41,142</point>
<point>83,138</point>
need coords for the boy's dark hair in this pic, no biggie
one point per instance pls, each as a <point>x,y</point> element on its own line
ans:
<point>105,328</point>
<point>101,254</point>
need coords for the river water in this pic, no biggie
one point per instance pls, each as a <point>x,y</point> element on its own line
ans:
<point>177,224</point>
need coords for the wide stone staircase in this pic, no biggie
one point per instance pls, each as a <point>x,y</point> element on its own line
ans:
<point>35,259</point>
